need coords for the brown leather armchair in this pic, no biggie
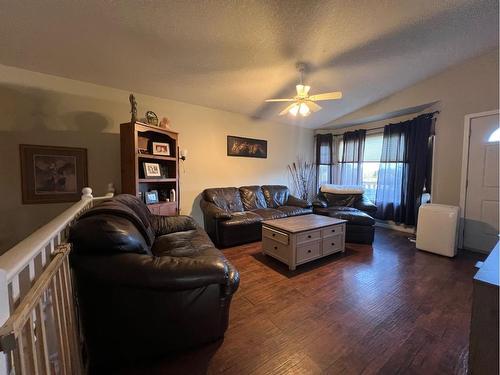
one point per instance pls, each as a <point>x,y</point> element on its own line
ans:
<point>146,285</point>
<point>234,216</point>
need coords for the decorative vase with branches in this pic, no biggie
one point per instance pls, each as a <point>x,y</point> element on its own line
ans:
<point>302,173</point>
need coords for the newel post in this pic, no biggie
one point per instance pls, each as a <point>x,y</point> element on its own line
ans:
<point>87,193</point>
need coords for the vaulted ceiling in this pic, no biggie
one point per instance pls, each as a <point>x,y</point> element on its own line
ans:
<point>232,55</point>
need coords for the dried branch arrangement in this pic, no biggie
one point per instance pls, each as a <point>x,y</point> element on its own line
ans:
<point>302,174</point>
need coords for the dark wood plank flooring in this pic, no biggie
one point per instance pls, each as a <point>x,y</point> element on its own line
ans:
<point>388,309</point>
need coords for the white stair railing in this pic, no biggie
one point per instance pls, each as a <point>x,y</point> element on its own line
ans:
<point>38,328</point>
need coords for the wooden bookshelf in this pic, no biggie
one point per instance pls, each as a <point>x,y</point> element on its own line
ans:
<point>136,148</point>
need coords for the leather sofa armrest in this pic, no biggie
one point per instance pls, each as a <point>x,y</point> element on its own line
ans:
<point>320,202</point>
<point>171,224</point>
<point>294,201</point>
<point>365,204</point>
<point>160,273</point>
<point>211,210</point>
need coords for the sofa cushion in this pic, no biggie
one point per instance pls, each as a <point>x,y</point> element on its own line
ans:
<point>106,234</point>
<point>252,197</point>
<point>269,213</point>
<point>353,215</point>
<point>190,243</point>
<point>241,218</point>
<point>227,199</point>
<point>275,195</point>
<point>294,210</point>
<point>116,208</point>
<point>346,200</point>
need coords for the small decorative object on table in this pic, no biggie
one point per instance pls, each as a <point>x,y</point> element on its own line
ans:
<point>160,148</point>
<point>151,197</point>
<point>172,195</point>
<point>52,174</point>
<point>152,170</point>
<point>151,118</point>
<point>133,108</point>
<point>164,123</point>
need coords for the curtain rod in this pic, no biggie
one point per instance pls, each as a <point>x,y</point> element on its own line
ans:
<point>382,127</point>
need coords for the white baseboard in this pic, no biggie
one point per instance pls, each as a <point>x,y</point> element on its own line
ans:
<point>392,225</point>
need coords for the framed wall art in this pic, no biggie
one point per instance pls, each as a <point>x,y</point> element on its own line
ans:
<point>246,147</point>
<point>51,174</point>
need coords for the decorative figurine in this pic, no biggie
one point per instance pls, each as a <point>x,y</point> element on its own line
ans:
<point>151,118</point>
<point>165,123</point>
<point>133,108</point>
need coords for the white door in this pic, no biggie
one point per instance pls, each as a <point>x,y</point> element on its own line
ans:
<point>481,200</point>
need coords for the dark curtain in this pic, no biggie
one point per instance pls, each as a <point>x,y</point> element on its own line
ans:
<point>324,162</point>
<point>403,169</point>
<point>351,170</point>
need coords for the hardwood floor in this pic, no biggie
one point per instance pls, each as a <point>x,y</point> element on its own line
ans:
<point>387,309</point>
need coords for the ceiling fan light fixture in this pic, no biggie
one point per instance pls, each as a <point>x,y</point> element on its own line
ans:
<point>294,109</point>
<point>304,109</point>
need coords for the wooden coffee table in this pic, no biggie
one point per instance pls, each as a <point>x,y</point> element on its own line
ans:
<point>300,239</point>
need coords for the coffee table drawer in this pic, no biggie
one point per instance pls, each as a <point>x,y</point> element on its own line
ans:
<point>308,236</point>
<point>275,235</point>
<point>276,249</point>
<point>332,244</point>
<point>308,251</point>
<point>332,231</point>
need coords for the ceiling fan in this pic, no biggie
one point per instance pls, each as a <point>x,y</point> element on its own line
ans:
<point>303,103</point>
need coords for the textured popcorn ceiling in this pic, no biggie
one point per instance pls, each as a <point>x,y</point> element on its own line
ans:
<point>232,55</point>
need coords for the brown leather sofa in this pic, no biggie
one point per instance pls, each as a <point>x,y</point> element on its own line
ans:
<point>234,216</point>
<point>146,285</point>
<point>355,208</point>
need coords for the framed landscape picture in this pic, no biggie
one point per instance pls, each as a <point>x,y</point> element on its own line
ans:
<point>246,147</point>
<point>51,174</point>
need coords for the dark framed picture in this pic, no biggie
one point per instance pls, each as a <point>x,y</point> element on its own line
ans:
<point>246,147</point>
<point>51,174</point>
<point>152,170</point>
<point>160,148</point>
<point>151,197</point>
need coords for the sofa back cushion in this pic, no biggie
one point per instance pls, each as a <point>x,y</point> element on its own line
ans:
<point>141,210</point>
<point>343,200</point>
<point>227,199</point>
<point>275,195</point>
<point>107,234</point>
<point>252,197</point>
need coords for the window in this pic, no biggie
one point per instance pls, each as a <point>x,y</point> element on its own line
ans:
<point>371,162</point>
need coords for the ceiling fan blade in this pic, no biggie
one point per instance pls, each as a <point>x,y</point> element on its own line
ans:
<point>313,106</point>
<point>285,111</point>
<point>279,100</point>
<point>326,96</point>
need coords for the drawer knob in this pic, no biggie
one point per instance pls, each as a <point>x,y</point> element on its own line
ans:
<point>308,251</point>
<point>276,248</point>
<point>309,236</point>
<point>333,230</point>
<point>333,243</point>
<point>274,234</point>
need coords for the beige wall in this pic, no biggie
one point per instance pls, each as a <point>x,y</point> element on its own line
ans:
<point>42,109</point>
<point>469,87</point>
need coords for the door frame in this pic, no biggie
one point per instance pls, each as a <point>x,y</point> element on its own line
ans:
<point>465,168</point>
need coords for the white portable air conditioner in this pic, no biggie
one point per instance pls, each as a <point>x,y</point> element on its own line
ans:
<point>437,229</point>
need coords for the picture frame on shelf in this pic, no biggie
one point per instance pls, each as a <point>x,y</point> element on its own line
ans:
<point>161,148</point>
<point>152,170</point>
<point>151,197</point>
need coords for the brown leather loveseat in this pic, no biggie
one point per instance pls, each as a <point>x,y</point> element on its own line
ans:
<point>146,285</point>
<point>234,216</point>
